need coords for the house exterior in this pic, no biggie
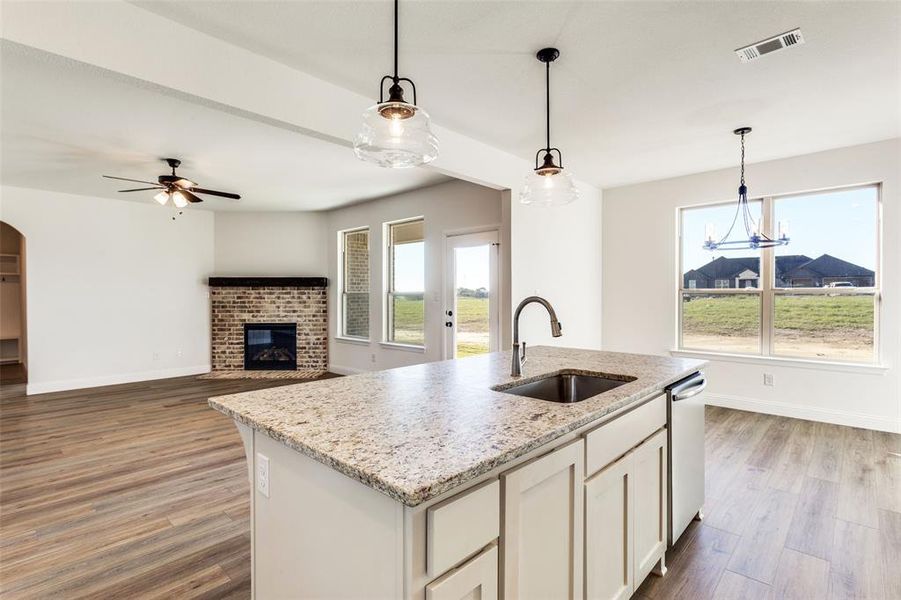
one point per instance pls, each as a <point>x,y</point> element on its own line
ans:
<point>795,270</point>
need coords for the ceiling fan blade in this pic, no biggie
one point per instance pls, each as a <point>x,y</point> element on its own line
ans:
<point>134,180</point>
<point>191,197</point>
<point>198,190</point>
<point>158,187</point>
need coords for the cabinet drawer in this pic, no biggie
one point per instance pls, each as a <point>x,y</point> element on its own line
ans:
<point>476,579</point>
<point>614,438</point>
<point>460,526</point>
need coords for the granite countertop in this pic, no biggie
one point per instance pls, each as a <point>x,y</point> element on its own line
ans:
<point>416,432</point>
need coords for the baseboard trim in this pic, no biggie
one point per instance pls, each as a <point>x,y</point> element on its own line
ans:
<point>345,370</point>
<point>808,413</point>
<point>62,385</point>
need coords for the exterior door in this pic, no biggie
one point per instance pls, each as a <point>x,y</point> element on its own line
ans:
<point>541,539</point>
<point>471,314</point>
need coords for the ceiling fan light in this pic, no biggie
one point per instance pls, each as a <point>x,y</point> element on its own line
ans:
<point>554,189</point>
<point>162,198</point>
<point>179,200</point>
<point>396,135</point>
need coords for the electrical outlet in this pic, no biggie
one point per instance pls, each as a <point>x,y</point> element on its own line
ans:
<point>768,379</point>
<point>372,358</point>
<point>179,353</point>
<point>262,474</point>
<point>156,356</point>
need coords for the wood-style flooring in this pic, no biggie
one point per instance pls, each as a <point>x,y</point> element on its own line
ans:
<point>794,509</point>
<point>140,491</point>
<point>128,491</point>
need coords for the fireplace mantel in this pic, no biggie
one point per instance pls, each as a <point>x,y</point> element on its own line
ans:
<point>293,282</point>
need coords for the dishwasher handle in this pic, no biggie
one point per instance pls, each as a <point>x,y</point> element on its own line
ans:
<point>688,388</point>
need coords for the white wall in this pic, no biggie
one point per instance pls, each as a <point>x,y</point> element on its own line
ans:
<point>557,254</point>
<point>640,279</point>
<point>116,289</point>
<point>271,244</point>
<point>448,208</point>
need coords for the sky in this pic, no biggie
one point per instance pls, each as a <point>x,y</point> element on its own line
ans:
<point>840,223</point>
<point>409,270</point>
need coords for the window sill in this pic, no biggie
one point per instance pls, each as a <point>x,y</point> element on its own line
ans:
<point>350,340</point>
<point>404,347</point>
<point>823,365</point>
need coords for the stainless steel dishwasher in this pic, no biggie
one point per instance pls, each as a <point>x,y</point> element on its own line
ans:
<point>685,456</point>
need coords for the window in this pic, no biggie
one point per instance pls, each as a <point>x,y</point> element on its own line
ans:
<point>816,298</point>
<point>405,318</point>
<point>355,283</point>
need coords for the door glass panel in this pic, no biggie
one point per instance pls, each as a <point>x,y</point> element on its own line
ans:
<point>721,322</point>
<point>472,287</point>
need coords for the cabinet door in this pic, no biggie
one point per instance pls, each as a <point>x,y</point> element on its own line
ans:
<point>541,539</point>
<point>475,580</point>
<point>649,513</point>
<point>608,532</point>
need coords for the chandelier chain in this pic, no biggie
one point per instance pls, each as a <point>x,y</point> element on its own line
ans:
<point>742,159</point>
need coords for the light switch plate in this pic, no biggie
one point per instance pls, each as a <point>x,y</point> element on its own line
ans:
<point>262,478</point>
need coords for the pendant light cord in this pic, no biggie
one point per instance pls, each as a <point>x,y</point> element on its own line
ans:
<point>548,104</point>
<point>395,40</point>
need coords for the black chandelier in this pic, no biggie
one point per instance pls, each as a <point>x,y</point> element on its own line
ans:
<point>755,238</point>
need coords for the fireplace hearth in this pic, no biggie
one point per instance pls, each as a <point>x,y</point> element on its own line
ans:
<point>270,346</point>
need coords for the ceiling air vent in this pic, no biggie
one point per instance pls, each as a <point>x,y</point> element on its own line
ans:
<point>769,45</point>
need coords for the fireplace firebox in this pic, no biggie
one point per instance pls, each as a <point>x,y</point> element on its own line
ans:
<point>270,346</point>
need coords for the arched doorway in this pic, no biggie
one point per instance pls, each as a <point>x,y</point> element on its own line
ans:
<point>13,334</point>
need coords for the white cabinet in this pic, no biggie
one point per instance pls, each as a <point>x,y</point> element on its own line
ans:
<point>625,521</point>
<point>542,533</point>
<point>474,580</point>
<point>649,468</point>
<point>608,532</point>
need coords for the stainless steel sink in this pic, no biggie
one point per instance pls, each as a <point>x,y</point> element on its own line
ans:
<point>568,387</point>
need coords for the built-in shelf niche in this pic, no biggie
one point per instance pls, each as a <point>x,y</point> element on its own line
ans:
<point>9,264</point>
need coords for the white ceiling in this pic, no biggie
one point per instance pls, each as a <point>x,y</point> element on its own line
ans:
<point>643,90</point>
<point>64,124</point>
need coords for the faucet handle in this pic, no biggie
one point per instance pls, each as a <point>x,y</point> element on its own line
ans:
<point>522,357</point>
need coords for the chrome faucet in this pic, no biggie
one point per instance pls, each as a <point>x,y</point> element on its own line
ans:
<point>556,330</point>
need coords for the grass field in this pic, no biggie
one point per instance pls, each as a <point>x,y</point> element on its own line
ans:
<point>471,318</point>
<point>821,326</point>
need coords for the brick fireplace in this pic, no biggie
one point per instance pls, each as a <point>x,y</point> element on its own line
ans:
<point>239,301</point>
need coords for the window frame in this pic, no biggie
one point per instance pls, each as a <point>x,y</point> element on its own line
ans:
<point>390,292</point>
<point>767,290</point>
<point>342,283</point>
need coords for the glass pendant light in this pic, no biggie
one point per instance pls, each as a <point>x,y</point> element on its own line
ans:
<point>755,238</point>
<point>162,197</point>
<point>395,133</point>
<point>548,184</point>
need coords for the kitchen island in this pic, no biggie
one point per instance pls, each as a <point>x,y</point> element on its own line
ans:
<point>431,482</point>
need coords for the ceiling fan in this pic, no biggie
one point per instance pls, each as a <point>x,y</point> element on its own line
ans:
<point>180,190</point>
